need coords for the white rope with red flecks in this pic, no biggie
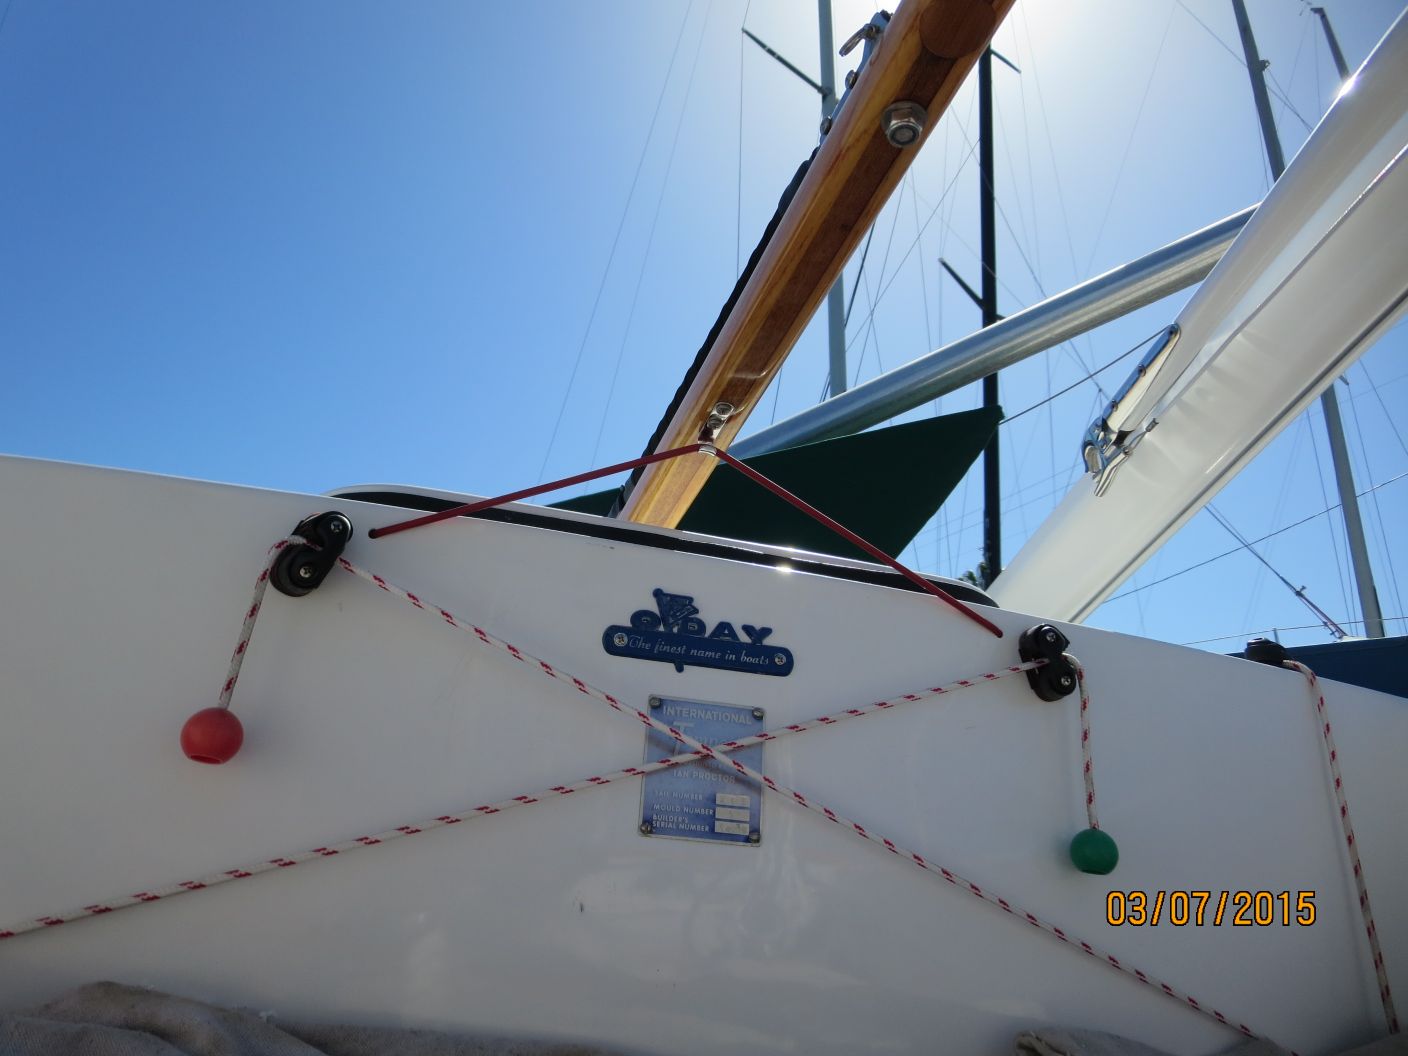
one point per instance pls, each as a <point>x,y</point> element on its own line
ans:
<point>1376,953</point>
<point>557,791</point>
<point>1087,765</point>
<point>261,584</point>
<point>697,750</point>
<point>243,872</point>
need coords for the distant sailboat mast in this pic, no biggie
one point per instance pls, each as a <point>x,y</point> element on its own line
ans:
<point>986,300</point>
<point>1329,402</point>
<point>826,88</point>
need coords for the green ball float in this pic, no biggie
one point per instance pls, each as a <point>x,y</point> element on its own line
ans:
<point>1093,851</point>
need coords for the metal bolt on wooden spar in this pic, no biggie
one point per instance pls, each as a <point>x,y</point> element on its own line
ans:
<point>903,123</point>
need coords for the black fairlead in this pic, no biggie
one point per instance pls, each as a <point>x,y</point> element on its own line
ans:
<point>1057,677</point>
<point>302,567</point>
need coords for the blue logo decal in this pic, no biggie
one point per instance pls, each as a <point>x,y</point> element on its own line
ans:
<point>674,634</point>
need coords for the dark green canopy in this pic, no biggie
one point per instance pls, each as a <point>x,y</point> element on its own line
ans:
<point>884,485</point>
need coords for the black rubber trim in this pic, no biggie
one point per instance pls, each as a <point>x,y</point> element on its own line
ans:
<point>620,532</point>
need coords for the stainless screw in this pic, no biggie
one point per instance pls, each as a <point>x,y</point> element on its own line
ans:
<point>335,526</point>
<point>645,828</point>
<point>654,702</point>
<point>903,123</point>
<point>1066,681</point>
<point>758,714</point>
<point>779,659</point>
<point>618,638</point>
<point>755,837</point>
<point>1050,636</point>
<point>305,571</point>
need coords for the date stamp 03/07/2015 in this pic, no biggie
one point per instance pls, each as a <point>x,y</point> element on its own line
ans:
<point>1242,909</point>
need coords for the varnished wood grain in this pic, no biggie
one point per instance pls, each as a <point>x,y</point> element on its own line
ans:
<point>923,56</point>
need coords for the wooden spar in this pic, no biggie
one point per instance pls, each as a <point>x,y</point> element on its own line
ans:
<point>923,55</point>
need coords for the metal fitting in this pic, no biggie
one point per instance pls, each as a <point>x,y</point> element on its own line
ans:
<point>903,123</point>
<point>717,418</point>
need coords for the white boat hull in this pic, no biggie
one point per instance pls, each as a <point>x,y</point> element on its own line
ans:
<point>124,594</point>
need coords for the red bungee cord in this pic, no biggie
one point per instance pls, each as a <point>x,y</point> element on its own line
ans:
<point>747,470</point>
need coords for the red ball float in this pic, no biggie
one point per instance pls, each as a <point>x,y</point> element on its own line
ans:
<point>212,735</point>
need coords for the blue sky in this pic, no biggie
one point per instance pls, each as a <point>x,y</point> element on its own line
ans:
<point>308,245</point>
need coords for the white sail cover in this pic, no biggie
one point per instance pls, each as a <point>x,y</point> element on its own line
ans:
<point>1317,274</point>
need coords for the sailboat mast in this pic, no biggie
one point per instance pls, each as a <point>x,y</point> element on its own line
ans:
<point>987,218</point>
<point>1333,41</point>
<point>836,299</point>
<point>1329,402</point>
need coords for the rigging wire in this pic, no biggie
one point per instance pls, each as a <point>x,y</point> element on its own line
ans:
<point>1068,346</point>
<point>1262,539</point>
<point>1329,523</point>
<point>1275,85</point>
<point>650,237</point>
<point>855,288</point>
<point>870,335</point>
<point>889,282</point>
<point>1273,630</point>
<point>1383,406</point>
<point>846,319</point>
<point>1029,63</point>
<point>869,322</point>
<point>738,213</point>
<point>1300,50</point>
<point>1129,143</point>
<point>1320,613</point>
<point>1378,511</point>
<point>615,242</point>
<point>1292,463</point>
<point>923,273</point>
<point>1088,377</point>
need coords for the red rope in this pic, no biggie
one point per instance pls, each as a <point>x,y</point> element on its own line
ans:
<point>747,470</point>
<point>855,540</point>
<point>528,493</point>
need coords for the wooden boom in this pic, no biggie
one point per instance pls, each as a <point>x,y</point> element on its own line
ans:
<point>922,57</point>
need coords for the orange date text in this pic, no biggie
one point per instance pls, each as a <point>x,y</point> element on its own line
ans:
<point>1238,909</point>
